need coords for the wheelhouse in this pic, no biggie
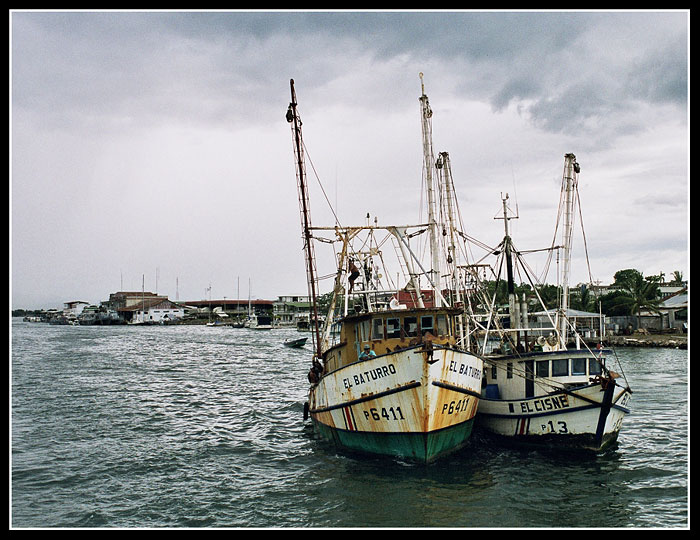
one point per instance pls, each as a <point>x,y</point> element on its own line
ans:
<point>389,331</point>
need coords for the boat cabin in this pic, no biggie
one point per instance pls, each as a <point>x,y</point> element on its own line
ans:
<point>389,331</point>
<point>512,377</point>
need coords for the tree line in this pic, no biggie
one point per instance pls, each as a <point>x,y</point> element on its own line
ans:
<point>631,294</point>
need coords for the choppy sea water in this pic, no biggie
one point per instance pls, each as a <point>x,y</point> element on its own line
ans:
<point>192,426</point>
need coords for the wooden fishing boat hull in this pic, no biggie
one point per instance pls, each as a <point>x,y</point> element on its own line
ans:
<point>585,416</point>
<point>406,404</point>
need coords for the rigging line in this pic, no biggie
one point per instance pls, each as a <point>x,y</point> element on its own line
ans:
<point>491,315</point>
<point>465,249</point>
<point>619,365</point>
<point>527,251</point>
<point>515,191</point>
<point>306,151</point>
<point>583,233</point>
<point>521,262</point>
<point>380,244</point>
<point>548,262</point>
<point>387,273</point>
<point>474,241</point>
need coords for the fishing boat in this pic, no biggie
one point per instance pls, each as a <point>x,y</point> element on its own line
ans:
<point>389,372</point>
<point>541,387</point>
<point>259,322</point>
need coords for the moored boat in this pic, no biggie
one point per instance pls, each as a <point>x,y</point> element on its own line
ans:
<point>395,379</point>
<point>538,388</point>
<point>259,322</point>
<point>415,397</point>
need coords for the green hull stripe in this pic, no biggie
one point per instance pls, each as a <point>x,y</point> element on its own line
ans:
<point>423,447</point>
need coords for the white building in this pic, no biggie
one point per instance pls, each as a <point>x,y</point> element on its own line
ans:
<point>157,310</point>
<point>71,310</point>
<point>289,309</point>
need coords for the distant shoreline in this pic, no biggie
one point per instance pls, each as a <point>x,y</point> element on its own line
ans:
<point>673,341</point>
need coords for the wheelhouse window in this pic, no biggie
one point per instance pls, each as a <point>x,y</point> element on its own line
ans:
<point>560,368</point>
<point>410,326</point>
<point>542,368</point>
<point>509,370</point>
<point>393,328</point>
<point>529,374</point>
<point>578,366</point>
<point>442,324</point>
<point>377,329</point>
<point>426,324</point>
<point>593,367</point>
<point>363,329</point>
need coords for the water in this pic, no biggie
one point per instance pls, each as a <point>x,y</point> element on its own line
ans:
<point>190,426</point>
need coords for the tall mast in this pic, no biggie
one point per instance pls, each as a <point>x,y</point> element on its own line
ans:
<point>445,174</point>
<point>507,245</point>
<point>570,180</point>
<point>294,119</point>
<point>513,307</point>
<point>426,123</point>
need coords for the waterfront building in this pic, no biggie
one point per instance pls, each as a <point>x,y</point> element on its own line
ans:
<point>129,299</point>
<point>289,310</point>
<point>237,310</point>
<point>72,309</point>
<point>142,306</point>
<point>155,310</point>
<point>672,314</point>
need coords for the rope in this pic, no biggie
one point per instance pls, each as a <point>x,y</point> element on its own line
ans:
<point>306,151</point>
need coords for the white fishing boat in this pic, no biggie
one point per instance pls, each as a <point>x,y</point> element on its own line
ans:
<point>254,320</point>
<point>538,388</point>
<point>395,379</point>
<point>259,322</point>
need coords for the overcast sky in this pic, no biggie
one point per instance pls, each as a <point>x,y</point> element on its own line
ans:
<point>155,143</point>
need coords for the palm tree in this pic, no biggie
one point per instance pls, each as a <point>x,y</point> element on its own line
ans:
<point>639,292</point>
<point>677,279</point>
<point>584,301</point>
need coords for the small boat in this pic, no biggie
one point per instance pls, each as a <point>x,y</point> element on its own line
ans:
<point>303,324</point>
<point>254,320</point>
<point>396,382</point>
<point>295,343</point>
<point>215,323</point>
<point>539,390</point>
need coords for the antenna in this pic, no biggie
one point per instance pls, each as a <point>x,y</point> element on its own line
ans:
<point>515,192</point>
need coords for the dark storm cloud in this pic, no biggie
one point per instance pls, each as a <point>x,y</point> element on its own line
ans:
<point>192,65</point>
